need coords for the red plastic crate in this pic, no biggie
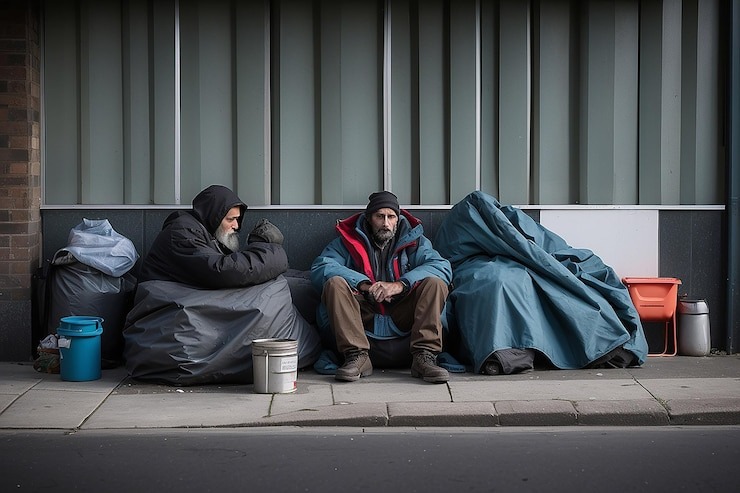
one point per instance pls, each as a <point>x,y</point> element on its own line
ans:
<point>654,297</point>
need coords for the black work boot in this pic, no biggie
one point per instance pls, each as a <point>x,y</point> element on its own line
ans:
<point>425,367</point>
<point>356,364</point>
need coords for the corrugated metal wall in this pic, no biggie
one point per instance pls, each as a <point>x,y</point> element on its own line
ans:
<point>293,102</point>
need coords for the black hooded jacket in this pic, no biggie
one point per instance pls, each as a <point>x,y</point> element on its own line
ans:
<point>187,251</point>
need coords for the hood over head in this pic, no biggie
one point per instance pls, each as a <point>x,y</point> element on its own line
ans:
<point>212,204</point>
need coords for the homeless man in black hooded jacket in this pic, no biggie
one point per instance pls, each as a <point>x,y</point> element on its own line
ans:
<point>200,303</point>
<point>187,251</point>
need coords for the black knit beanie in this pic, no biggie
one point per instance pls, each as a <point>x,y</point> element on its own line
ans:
<point>381,200</point>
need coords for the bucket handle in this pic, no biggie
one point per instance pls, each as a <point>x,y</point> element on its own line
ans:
<point>267,371</point>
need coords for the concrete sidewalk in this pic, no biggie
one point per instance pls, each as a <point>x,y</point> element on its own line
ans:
<point>665,391</point>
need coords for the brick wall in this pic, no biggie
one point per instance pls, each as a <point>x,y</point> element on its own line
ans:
<point>20,163</point>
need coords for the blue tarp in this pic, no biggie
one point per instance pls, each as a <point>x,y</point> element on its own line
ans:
<point>518,285</point>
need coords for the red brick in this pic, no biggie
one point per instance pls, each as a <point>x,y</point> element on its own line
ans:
<point>13,45</point>
<point>20,254</point>
<point>18,142</point>
<point>13,73</point>
<point>22,268</point>
<point>14,128</point>
<point>14,99</point>
<point>21,243</point>
<point>17,169</point>
<point>16,86</point>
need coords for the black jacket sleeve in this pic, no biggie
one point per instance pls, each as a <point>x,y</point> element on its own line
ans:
<point>185,252</point>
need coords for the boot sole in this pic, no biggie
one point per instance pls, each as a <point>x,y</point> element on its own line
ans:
<point>353,378</point>
<point>440,379</point>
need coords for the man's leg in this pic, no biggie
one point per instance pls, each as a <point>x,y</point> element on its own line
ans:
<point>421,309</point>
<point>345,312</point>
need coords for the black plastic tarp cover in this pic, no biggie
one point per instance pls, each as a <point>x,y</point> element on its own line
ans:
<point>180,335</point>
<point>519,285</point>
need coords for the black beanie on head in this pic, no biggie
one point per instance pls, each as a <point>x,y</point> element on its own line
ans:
<point>381,200</point>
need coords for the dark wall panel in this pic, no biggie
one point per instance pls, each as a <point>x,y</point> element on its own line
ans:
<point>692,248</point>
<point>692,243</point>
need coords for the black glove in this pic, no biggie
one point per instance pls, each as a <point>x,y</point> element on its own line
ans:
<point>265,232</point>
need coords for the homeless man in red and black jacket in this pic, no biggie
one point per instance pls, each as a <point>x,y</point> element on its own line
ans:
<point>382,299</point>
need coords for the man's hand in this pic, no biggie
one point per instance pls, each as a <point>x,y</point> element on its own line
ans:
<point>266,232</point>
<point>383,291</point>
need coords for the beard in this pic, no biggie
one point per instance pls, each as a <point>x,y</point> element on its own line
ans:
<point>228,239</point>
<point>383,236</point>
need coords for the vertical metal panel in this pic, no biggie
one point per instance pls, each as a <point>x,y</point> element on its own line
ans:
<point>351,152</point>
<point>296,122</point>
<point>660,102</point>
<point>61,104</point>
<point>177,151</point>
<point>190,107</point>
<point>597,105</point>
<point>136,111</point>
<point>330,151</point>
<point>650,107</point>
<point>701,181</point>
<point>216,102</point>
<point>626,66</point>
<point>464,173</point>
<point>608,103</point>
<point>671,104</point>
<point>101,103</point>
<point>207,120</point>
<point>403,105</point>
<point>361,113</point>
<point>489,104</point>
<point>456,107</point>
<point>433,143</point>
<point>554,114</point>
<point>515,102</point>
<point>252,101</point>
<point>163,105</point>
<point>710,104</point>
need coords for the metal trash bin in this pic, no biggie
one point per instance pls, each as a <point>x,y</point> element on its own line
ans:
<point>694,334</point>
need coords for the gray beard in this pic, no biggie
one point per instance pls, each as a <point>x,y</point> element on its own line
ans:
<point>381,238</point>
<point>229,240</point>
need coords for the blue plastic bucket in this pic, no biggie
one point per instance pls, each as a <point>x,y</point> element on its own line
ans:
<point>79,348</point>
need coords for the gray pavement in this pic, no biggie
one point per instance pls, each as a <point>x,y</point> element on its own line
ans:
<point>680,390</point>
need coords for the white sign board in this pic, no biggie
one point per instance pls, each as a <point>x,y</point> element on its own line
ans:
<point>627,240</point>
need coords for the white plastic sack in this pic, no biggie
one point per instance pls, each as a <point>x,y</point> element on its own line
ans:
<point>95,243</point>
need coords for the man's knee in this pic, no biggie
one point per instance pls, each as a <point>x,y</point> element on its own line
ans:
<point>335,285</point>
<point>435,284</point>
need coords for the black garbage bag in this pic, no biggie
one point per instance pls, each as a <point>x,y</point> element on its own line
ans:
<point>77,289</point>
<point>180,335</point>
<point>91,277</point>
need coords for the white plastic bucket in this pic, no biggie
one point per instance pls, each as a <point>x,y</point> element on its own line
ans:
<point>275,363</point>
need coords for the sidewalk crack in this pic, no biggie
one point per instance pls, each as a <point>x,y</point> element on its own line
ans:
<point>660,401</point>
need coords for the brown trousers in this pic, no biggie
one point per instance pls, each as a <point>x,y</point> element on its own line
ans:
<point>418,312</point>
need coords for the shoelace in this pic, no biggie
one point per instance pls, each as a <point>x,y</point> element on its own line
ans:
<point>428,358</point>
<point>352,358</point>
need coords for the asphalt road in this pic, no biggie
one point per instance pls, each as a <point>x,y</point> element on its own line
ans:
<point>692,459</point>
